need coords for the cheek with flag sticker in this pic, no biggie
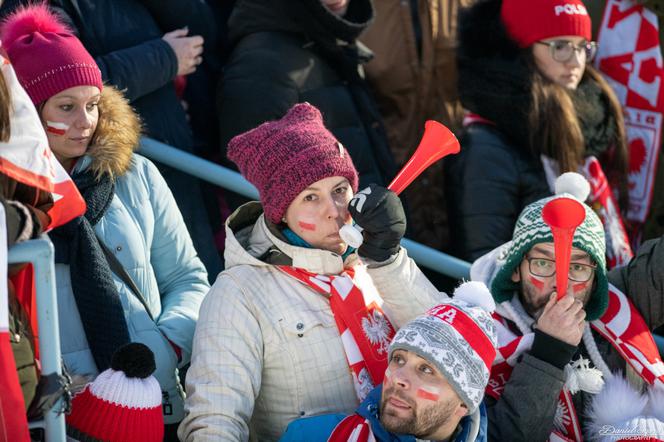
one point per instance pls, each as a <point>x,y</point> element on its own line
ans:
<point>27,158</point>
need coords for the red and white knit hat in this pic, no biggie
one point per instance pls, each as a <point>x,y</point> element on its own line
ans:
<point>123,404</point>
<point>458,338</point>
<point>528,21</point>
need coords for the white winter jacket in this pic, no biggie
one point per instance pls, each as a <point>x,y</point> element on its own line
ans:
<point>266,347</point>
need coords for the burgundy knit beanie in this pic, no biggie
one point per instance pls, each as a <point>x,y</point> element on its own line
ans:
<point>283,157</point>
<point>47,57</point>
<point>529,21</point>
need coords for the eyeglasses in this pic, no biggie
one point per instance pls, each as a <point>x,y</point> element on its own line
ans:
<point>546,267</point>
<point>563,50</point>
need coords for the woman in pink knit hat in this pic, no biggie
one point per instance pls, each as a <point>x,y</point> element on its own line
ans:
<point>299,323</point>
<point>126,271</point>
<point>536,108</point>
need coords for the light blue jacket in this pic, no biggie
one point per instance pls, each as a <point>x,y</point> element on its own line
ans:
<point>145,230</point>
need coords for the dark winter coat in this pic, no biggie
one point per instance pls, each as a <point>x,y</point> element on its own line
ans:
<point>291,51</point>
<point>490,181</point>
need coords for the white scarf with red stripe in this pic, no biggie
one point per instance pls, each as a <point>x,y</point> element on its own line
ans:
<point>365,330</point>
<point>621,324</point>
<point>630,59</point>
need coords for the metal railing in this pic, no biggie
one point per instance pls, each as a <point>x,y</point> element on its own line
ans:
<point>233,181</point>
<point>40,253</point>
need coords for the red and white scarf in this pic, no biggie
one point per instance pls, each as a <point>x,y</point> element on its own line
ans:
<point>622,325</point>
<point>353,428</point>
<point>365,330</point>
<point>630,58</point>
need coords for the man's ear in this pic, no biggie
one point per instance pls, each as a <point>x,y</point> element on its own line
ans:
<point>516,274</point>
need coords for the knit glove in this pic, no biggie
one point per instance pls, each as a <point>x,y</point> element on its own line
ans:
<point>380,213</point>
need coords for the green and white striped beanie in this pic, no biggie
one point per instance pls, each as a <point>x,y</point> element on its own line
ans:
<point>531,229</point>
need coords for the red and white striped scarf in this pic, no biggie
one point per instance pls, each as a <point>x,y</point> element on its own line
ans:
<point>630,59</point>
<point>365,330</point>
<point>353,428</point>
<point>622,325</point>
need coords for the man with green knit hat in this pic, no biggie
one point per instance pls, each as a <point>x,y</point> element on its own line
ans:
<point>563,360</point>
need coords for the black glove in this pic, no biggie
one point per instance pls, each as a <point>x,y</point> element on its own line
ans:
<point>380,213</point>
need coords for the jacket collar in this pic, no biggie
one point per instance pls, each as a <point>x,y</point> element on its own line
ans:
<point>469,429</point>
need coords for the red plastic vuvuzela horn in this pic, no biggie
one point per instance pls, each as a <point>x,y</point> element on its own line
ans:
<point>437,142</point>
<point>563,215</point>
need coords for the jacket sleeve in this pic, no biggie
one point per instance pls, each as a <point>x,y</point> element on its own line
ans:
<point>141,69</point>
<point>483,194</point>
<point>404,288</point>
<point>225,374</point>
<point>180,274</point>
<point>254,89</point>
<point>642,280</point>
<point>526,409</point>
<point>175,14</point>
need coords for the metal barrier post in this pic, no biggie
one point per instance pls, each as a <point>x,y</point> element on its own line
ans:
<point>40,253</point>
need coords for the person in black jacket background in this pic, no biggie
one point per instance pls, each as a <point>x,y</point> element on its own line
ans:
<point>523,114</point>
<point>290,51</point>
<point>141,46</point>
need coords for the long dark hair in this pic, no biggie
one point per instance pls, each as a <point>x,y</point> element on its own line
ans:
<point>555,130</point>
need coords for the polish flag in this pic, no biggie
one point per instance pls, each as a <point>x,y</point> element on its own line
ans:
<point>27,158</point>
<point>56,128</point>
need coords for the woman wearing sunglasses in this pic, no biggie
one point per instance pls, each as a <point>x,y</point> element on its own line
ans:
<point>536,108</point>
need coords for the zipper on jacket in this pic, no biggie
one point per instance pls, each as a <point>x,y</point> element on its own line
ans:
<point>166,403</point>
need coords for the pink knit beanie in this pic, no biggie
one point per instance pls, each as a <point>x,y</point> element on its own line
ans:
<point>47,57</point>
<point>528,21</point>
<point>282,158</point>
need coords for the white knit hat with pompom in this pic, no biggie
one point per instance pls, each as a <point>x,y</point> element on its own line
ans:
<point>458,338</point>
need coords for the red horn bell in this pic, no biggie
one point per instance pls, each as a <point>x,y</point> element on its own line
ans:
<point>437,142</point>
<point>563,215</point>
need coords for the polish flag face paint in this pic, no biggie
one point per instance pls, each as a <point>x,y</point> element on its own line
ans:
<point>536,282</point>
<point>428,392</point>
<point>53,127</point>
<point>307,226</point>
<point>388,376</point>
<point>576,288</point>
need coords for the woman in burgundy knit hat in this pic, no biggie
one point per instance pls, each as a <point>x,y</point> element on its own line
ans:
<point>298,323</point>
<point>536,109</point>
<point>126,271</point>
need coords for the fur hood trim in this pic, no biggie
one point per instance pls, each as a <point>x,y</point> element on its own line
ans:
<point>117,135</point>
<point>619,406</point>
